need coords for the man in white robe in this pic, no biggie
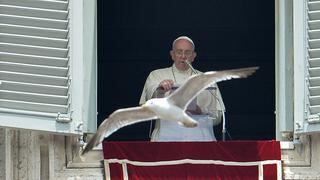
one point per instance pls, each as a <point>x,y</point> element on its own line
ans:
<point>206,108</point>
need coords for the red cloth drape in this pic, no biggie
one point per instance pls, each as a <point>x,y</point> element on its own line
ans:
<point>150,153</point>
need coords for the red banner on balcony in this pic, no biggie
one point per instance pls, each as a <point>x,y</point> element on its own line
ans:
<point>193,160</point>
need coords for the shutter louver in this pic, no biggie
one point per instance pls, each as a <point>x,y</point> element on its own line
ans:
<point>34,62</point>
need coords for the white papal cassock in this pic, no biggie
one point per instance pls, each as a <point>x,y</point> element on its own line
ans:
<point>208,102</point>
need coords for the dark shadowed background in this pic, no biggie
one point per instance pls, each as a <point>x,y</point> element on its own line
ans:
<point>134,38</point>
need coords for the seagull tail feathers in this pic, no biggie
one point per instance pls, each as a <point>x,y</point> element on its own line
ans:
<point>188,124</point>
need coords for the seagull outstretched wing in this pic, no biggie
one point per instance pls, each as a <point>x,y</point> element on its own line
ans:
<point>117,120</point>
<point>195,84</point>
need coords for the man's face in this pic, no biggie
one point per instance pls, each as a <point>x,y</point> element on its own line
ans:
<point>181,52</point>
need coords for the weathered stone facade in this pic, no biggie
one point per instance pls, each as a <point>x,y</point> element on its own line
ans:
<point>34,155</point>
<point>38,156</point>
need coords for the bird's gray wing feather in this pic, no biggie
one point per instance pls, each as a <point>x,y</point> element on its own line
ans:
<point>117,120</point>
<point>195,84</point>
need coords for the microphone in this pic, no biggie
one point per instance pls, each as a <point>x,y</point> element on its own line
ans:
<point>191,67</point>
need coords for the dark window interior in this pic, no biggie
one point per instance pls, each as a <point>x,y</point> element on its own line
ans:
<point>134,38</point>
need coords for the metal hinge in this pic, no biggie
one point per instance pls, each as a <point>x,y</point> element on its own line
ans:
<point>314,118</point>
<point>63,118</point>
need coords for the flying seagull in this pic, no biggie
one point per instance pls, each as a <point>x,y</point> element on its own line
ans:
<point>170,108</point>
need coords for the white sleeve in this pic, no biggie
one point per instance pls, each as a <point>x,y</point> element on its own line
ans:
<point>149,88</point>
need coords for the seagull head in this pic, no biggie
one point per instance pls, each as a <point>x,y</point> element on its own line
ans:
<point>150,103</point>
<point>156,104</point>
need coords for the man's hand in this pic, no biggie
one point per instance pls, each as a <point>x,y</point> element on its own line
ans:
<point>166,84</point>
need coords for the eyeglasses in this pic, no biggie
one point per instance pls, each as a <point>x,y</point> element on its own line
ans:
<point>180,53</point>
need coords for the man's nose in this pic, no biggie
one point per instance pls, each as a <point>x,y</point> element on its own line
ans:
<point>184,56</point>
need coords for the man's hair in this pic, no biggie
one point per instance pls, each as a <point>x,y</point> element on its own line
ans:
<point>185,38</point>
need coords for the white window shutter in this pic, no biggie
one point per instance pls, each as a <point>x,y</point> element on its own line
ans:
<point>307,50</point>
<point>36,66</point>
<point>314,57</point>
